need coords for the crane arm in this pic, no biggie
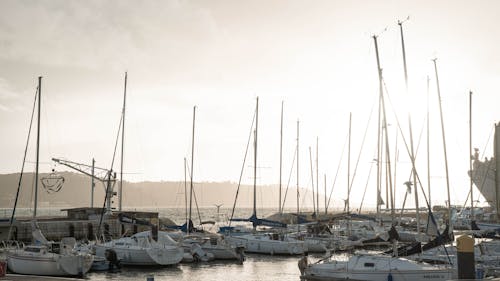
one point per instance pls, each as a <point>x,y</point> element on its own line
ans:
<point>85,169</point>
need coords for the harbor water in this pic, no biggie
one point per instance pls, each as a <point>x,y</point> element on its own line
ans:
<point>256,267</point>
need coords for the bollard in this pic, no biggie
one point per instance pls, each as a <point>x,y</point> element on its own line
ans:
<point>465,257</point>
<point>150,278</point>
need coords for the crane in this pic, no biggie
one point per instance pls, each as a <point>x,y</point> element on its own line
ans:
<point>107,177</point>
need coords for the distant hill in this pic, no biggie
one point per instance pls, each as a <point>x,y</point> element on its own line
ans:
<point>76,192</point>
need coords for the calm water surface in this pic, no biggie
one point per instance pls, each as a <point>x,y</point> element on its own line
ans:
<point>255,268</point>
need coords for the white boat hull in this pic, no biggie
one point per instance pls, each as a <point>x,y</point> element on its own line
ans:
<point>272,247</point>
<point>143,256</point>
<point>376,268</point>
<point>50,264</point>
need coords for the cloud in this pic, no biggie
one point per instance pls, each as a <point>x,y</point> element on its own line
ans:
<point>96,34</point>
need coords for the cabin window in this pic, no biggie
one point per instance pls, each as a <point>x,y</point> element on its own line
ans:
<point>33,250</point>
<point>369,264</point>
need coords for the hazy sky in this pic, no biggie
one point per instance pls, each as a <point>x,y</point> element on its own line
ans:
<point>316,56</point>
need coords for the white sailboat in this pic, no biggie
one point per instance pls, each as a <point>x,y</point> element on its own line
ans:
<point>47,257</point>
<point>215,245</point>
<point>142,249</point>
<point>376,268</point>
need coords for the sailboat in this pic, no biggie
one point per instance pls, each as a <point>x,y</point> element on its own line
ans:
<point>143,248</point>
<point>45,257</point>
<point>263,242</point>
<point>213,246</point>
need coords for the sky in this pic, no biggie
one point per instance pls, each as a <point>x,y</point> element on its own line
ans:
<point>317,57</point>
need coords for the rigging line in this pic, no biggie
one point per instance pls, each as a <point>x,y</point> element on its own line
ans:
<point>289,178</point>
<point>366,187</point>
<point>361,149</point>
<point>242,168</point>
<point>22,166</point>
<point>116,142</point>
<point>338,169</point>
<point>109,174</point>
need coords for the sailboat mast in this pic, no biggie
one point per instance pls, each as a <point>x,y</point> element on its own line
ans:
<point>470,159</point>
<point>192,171</point>
<point>444,144</point>
<point>312,180</point>
<point>280,211</point>
<point>349,164</point>
<point>37,144</point>
<point>379,137</point>
<point>298,193</point>
<point>412,150</point>
<point>185,191</point>
<point>326,209</point>
<point>317,176</point>
<point>428,147</point>
<point>255,159</point>
<point>92,185</point>
<point>123,142</point>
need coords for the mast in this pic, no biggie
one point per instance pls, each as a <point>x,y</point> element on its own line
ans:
<point>312,181</point>
<point>37,144</point>
<point>379,137</point>
<point>326,209</point>
<point>496,156</point>
<point>185,191</point>
<point>349,175</point>
<point>255,160</point>
<point>428,147</point>
<point>280,211</point>
<point>444,144</point>
<point>317,176</point>
<point>123,142</point>
<point>192,171</point>
<point>92,185</point>
<point>298,193</point>
<point>412,150</point>
<point>470,160</point>
<point>349,164</point>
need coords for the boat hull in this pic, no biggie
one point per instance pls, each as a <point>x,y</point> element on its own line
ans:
<point>143,256</point>
<point>49,265</point>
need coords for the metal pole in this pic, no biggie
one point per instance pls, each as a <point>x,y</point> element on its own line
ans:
<point>470,160</point>
<point>379,137</point>
<point>255,159</point>
<point>92,185</point>
<point>312,180</point>
<point>326,209</point>
<point>349,164</point>
<point>123,142</point>
<point>37,145</point>
<point>280,211</point>
<point>400,23</point>
<point>317,176</point>
<point>444,144</point>
<point>192,171</point>
<point>298,193</point>
<point>428,147</point>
